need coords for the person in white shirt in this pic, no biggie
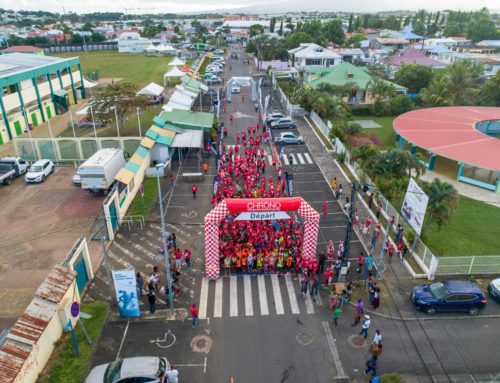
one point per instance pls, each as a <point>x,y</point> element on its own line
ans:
<point>172,375</point>
<point>377,338</point>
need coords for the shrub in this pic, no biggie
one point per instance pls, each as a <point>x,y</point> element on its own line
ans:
<point>400,104</point>
<point>362,110</point>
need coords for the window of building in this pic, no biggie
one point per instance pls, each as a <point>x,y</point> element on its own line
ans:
<point>313,61</point>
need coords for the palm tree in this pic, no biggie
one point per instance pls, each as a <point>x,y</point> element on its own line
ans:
<point>437,92</point>
<point>461,82</point>
<point>364,154</point>
<point>381,91</point>
<point>443,201</point>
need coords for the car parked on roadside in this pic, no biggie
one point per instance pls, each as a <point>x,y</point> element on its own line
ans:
<point>235,89</point>
<point>39,171</point>
<point>12,167</point>
<point>143,369</point>
<point>289,138</point>
<point>274,117</point>
<point>283,123</point>
<point>77,178</point>
<point>494,290</point>
<point>213,80</point>
<point>448,296</point>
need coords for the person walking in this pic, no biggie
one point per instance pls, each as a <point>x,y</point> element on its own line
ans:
<point>172,375</point>
<point>152,299</point>
<point>334,183</point>
<point>139,282</point>
<point>325,208</point>
<point>314,285</point>
<point>365,326</point>
<point>377,338</point>
<point>321,262</point>
<point>187,258</point>
<point>194,189</point>
<point>361,261</point>
<point>358,312</point>
<point>376,298</point>
<point>303,285</point>
<point>371,365</point>
<point>336,315</point>
<point>194,316</point>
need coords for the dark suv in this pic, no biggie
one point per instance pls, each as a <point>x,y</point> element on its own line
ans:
<point>449,296</point>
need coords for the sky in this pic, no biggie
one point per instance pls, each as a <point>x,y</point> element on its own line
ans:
<point>178,6</point>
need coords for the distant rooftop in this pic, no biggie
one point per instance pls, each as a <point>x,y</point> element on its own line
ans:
<point>21,49</point>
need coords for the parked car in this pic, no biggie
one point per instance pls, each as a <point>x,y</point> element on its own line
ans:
<point>289,138</point>
<point>208,75</point>
<point>218,64</point>
<point>235,89</point>
<point>283,123</point>
<point>213,69</point>
<point>213,80</point>
<point>77,178</point>
<point>134,369</point>
<point>12,167</point>
<point>39,171</point>
<point>449,296</point>
<point>494,289</point>
<point>274,117</point>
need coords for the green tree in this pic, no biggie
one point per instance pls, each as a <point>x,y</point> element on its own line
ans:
<point>489,92</point>
<point>407,20</point>
<point>120,95</point>
<point>272,24</point>
<point>251,47</point>
<point>382,93</point>
<point>297,38</point>
<point>436,93</point>
<point>333,31</point>
<point>462,80</point>
<point>350,25</point>
<point>392,23</point>
<point>453,29</point>
<point>290,26</point>
<point>414,77</point>
<point>481,26</point>
<point>357,24</point>
<point>87,27</point>
<point>400,104</point>
<point>76,39</point>
<point>443,202</point>
<point>280,31</point>
<point>256,29</point>
<point>97,37</point>
<point>419,28</point>
<point>364,155</point>
<point>314,28</point>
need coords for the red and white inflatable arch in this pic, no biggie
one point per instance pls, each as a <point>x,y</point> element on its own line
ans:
<point>257,205</point>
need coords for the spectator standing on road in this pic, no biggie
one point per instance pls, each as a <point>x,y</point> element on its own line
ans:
<point>361,261</point>
<point>336,315</point>
<point>314,285</point>
<point>325,208</point>
<point>303,285</point>
<point>371,365</point>
<point>242,98</point>
<point>172,375</point>
<point>334,183</point>
<point>358,312</point>
<point>178,258</point>
<point>376,298</point>
<point>365,326</point>
<point>194,316</point>
<point>140,282</point>
<point>378,211</point>
<point>231,118</point>
<point>187,258</point>
<point>194,189</point>
<point>151,298</point>
<point>321,262</point>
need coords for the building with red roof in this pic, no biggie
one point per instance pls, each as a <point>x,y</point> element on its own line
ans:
<point>23,49</point>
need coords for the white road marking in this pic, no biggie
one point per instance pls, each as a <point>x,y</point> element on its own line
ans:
<point>264,309</point>
<point>233,297</point>
<point>218,298</point>
<point>247,286</point>
<point>123,339</point>
<point>301,159</point>
<point>277,295</point>
<point>202,313</point>
<point>294,161</point>
<point>270,159</point>
<point>333,350</point>
<point>285,159</point>
<point>309,304</point>
<point>308,158</point>
<point>319,301</point>
<point>291,295</point>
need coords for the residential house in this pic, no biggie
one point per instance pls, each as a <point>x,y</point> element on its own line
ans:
<point>23,49</point>
<point>389,44</point>
<point>413,56</point>
<point>344,74</point>
<point>132,42</point>
<point>310,56</point>
<point>350,55</point>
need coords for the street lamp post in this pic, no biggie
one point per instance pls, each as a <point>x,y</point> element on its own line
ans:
<point>71,117</point>
<point>164,239</point>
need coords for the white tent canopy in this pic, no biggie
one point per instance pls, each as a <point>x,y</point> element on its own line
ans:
<point>151,48</point>
<point>152,89</point>
<point>174,72</point>
<point>177,62</point>
<point>179,100</point>
<point>166,49</point>
<point>182,90</point>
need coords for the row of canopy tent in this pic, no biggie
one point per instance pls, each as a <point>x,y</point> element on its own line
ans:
<point>166,49</point>
<point>185,93</point>
<point>175,72</point>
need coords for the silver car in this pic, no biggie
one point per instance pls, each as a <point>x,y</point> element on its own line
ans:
<point>144,369</point>
<point>289,138</point>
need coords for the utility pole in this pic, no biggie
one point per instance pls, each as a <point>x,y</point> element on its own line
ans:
<point>350,229</point>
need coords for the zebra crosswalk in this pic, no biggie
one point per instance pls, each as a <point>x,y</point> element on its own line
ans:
<point>287,159</point>
<point>248,296</point>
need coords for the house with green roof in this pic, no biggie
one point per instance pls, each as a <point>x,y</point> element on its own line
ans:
<point>345,74</point>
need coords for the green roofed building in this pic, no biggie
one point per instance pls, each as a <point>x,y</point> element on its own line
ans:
<point>347,74</point>
<point>186,119</point>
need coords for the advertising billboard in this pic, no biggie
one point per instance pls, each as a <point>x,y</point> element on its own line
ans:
<point>414,206</point>
<point>126,293</point>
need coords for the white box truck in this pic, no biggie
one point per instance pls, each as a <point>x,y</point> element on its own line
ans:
<point>99,171</point>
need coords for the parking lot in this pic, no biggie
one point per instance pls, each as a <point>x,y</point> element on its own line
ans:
<point>38,225</point>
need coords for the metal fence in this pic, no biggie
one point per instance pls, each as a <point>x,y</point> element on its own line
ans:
<point>478,264</point>
<point>68,149</point>
<point>293,110</point>
<point>325,129</point>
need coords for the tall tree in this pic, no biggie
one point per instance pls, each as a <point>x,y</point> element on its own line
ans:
<point>120,96</point>
<point>481,26</point>
<point>334,32</point>
<point>382,92</point>
<point>462,78</point>
<point>436,93</point>
<point>280,31</point>
<point>357,24</point>
<point>443,201</point>
<point>414,77</point>
<point>489,92</point>
<point>297,38</point>
<point>350,25</point>
<point>392,23</point>
<point>272,24</point>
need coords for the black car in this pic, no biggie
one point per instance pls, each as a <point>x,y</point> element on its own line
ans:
<point>494,290</point>
<point>449,296</point>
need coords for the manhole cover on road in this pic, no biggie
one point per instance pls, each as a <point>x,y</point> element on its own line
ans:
<point>201,343</point>
<point>357,342</point>
<point>304,339</point>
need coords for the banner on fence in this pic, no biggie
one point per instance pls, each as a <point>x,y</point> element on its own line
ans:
<point>126,293</point>
<point>414,206</point>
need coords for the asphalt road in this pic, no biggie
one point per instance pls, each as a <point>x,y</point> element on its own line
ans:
<point>260,329</point>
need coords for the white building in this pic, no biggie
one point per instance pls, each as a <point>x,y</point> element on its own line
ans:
<point>311,56</point>
<point>132,42</point>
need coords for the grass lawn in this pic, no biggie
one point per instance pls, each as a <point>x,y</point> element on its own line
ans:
<point>136,68</point>
<point>64,365</point>
<point>386,133</point>
<point>130,125</point>
<point>473,230</point>
<point>150,195</point>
